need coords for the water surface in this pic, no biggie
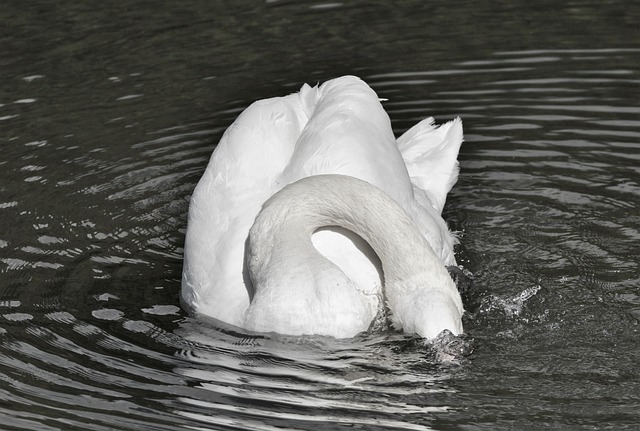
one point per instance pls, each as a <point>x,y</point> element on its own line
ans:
<point>109,113</point>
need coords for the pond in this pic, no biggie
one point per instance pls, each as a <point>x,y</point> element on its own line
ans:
<point>109,113</point>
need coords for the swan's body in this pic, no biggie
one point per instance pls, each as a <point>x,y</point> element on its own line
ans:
<point>337,128</point>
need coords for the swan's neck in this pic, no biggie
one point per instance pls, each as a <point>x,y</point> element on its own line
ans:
<point>418,291</point>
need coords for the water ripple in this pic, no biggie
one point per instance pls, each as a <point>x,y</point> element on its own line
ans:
<point>104,142</point>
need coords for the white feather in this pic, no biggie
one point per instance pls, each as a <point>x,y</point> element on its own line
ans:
<point>339,127</point>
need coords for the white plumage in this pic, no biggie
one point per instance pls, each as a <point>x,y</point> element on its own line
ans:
<point>341,129</point>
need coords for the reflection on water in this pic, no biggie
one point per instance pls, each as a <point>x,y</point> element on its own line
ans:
<point>108,118</point>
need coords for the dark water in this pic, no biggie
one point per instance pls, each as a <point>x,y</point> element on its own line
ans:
<point>108,115</point>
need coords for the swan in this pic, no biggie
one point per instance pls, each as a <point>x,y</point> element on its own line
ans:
<point>311,218</point>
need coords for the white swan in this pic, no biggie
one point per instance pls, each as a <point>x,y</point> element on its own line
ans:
<point>323,163</point>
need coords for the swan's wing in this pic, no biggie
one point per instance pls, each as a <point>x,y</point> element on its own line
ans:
<point>430,154</point>
<point>242,173</point>
<point>259,143</point>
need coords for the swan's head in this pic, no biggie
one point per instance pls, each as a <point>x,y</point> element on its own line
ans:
<point>439,317</point>
<point>427,311</point>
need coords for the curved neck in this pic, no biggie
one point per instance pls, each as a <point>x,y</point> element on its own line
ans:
<point>418,289</point>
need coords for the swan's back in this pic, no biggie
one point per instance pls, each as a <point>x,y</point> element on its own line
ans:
<point>349,133</point>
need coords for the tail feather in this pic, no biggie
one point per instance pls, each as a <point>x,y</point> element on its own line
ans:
<point>430,154</point>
